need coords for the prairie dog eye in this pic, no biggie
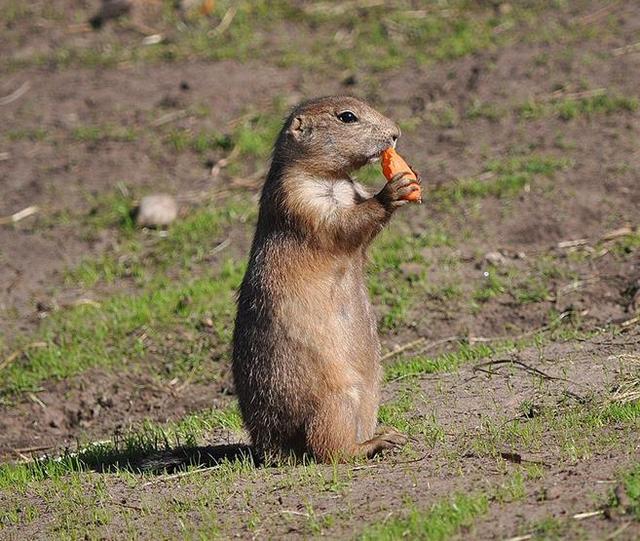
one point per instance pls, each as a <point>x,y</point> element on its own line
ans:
<point>347,117</point>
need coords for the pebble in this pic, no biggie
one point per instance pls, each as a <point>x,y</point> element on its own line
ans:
<point>157,210</point>
<point>495,258</point>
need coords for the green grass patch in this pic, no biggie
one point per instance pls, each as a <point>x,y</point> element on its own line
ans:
<point>571,108</point>
<point>502,178</point>
<point>117,331</point>
<point>445,362</point>
<point>146,257</point>
<point>100,133</point>
<point>370,38</point>
<point>251,136</point>
<point>122,451</point>
<point>27,134</point>
<point>441,521</point>
<point>578,431</point>
<point>398,414</point>
<point>407,367</point>
<point>392,283</point>
<point>184,139</point>
<point>487,110</point>
<point>631,482</point>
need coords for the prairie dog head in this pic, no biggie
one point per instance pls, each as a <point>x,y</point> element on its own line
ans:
<point>333,136</point>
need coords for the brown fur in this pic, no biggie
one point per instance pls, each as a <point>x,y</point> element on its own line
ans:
<point>306,354</point>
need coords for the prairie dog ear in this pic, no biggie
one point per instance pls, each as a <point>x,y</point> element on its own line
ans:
<point>298,128</point>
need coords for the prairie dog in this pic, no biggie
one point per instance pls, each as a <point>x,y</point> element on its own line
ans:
<point>306,353</point>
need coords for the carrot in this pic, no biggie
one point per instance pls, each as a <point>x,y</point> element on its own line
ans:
<point>392,164</point>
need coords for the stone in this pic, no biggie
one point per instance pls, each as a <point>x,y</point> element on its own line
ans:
<point>157,210</point>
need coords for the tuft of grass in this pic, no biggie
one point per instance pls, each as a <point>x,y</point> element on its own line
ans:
<point>571,108</point>
<point>631,482</point>
<point>251,137</point>
<point>394,286</point>
<point>628,244</point>
<point>397,414</point>
<point>512,489</point>
<point>486,110</point>
<point>103,133</point>
<point>124,450</point>
<point>444,362</point>
<point>188,242</point>
<point>27,134</point>
<point>579,430</point>
<point>492,286</point>
<point>117,331</point>
<point>441,521</point>
<point>200,142</point>
<point>502,178</point>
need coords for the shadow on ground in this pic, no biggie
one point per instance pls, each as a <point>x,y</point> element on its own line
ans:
<point>168,460</point>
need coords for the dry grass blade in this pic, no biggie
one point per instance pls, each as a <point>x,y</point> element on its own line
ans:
<point>16,354</point>
<point>482,367</point>
<point>16,94</point>
<point>617,233</point>
<point>169,117</point>
<point>20,215</point>
<point>404,347</point>
<point>561,94</point>
<point>225,23</point>
<point>626,49</point>
<point>587,514</point>
<point>572,243</point>
<point>626,392</point>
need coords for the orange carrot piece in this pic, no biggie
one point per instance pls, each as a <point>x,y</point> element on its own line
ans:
<point>392,164</point>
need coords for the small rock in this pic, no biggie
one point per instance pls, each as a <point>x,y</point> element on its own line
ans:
<point>156,210</point>
<point>495,258</point>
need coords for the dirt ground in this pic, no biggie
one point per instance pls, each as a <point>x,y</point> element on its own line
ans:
<point>572,234</point>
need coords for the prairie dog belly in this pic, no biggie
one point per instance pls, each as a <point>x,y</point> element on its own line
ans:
<point>328,319</point>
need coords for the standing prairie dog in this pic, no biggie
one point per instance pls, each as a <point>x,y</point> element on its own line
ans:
<point>306,353</point>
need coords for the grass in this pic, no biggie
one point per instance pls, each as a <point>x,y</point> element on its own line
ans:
<point>631,483</point>
<point>28,134</point>
<point>124,450</point>
<point>571,108</point>
<point>577,431</point>
<point>120,329</point>
<point>445,362</point>
<point>501,178</point>
<point>567,108</point>
<point>441,521</point>
<point>100,133</point>
<point>392,283</point>
<point>249,138</point>
<point>373,38</point>
<point>200,142</point>
<point>148,257</point>
<point>486,110</point>
<point>396,414</point>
